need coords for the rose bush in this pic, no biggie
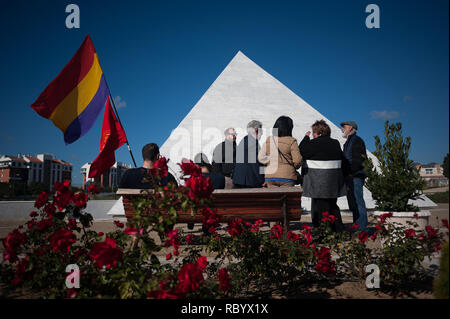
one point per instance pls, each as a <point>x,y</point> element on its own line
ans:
<point>129,263</point>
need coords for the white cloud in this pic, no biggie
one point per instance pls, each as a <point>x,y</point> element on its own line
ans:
<point>119,102</point>
<point>407,98</point>
<point>383,115</point>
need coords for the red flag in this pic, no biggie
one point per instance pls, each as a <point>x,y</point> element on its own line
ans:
<point>113,137</point>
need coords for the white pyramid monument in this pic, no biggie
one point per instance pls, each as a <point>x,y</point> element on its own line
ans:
<point>245,92</point>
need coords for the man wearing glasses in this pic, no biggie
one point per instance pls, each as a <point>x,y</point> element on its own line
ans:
<point>224,156</point>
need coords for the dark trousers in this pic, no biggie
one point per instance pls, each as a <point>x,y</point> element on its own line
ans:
<point>320,205</point>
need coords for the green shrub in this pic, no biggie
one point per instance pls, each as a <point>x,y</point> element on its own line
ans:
<point>396,180</point>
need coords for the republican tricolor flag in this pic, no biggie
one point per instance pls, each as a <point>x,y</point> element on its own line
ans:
<point>113,137</point>
<point>74,99</point>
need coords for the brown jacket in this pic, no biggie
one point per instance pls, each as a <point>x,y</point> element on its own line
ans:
<point>277,166</point>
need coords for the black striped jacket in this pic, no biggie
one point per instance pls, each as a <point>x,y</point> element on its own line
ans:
<point>322,168</point>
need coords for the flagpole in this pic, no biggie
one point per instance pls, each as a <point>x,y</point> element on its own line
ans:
<point>118,118</point>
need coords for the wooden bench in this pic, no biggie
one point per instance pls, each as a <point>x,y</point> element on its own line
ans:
<point>250,204</point>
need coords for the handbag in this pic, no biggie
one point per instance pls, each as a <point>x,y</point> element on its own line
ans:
<point>299,177</point>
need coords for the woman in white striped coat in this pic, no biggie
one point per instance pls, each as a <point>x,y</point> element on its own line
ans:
<point>323,179</point>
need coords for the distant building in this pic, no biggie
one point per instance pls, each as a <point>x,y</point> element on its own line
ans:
<point>433,174</point>
<point>110,178</point>
<point>44,168</point>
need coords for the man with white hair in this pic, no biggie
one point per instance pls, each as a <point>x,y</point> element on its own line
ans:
<point>355,155</point>
<point>247,169</point>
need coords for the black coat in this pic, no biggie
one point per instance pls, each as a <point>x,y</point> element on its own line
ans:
<point>224,158</point>
<point>217,180</point>
<point>322,167</point>
<point>139,178</point>
<point>355,155</point>
<point>248,171</point>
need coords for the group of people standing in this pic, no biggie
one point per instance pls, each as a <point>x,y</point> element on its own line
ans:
<point>327,171</point>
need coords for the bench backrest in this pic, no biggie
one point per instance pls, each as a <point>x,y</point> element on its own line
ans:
<point>250,204</point>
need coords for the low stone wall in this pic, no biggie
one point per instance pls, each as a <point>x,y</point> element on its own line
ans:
<point>20,210</point>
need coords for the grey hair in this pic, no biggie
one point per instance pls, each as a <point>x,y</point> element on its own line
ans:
<point>227,130</point>
<point>253,125</point>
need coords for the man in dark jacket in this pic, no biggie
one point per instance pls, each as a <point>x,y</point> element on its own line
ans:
<point>355,154</point>
<point>248,172</point>
<point>324,179</point>
<point>140,178</point>
<point>224,155</point>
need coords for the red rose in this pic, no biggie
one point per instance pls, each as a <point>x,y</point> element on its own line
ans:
<point>30,224</point>
<point>202,262</point>
<point>307,227</point>
<point>100,233</point>
<point>431,231</point>
<point>50,209</point>
<point>71,293</point>
<point>190,238</point>
<point>63,199</point>
<point>199,187</point>
<point>44,224</point>
<point>160,167</point>
<point>132,231</point>
<point>374,236</point>
<point>80,199</point>
<point>354,226</point>
<point>189,278</point>
<point>363,236</point>
<point>326,217</point>
<point>168,256</point>
<point>437,247</point>
<point>62,239</point>
<point>210,219</point>
<point>325,265</point>
<point>276,231</point>
<point>41,200</point>
<point>106,253</point>
<point>235,227</point>
<point>11,243</point>
<point>173,239</point>
<point>384,216</point>
<point>33,214</point>
<point>257,225</point>
<point>118,224</point>
<point>308,237</point>
<point>93,189</point>
<point>410,233</point>
<point>72,224</point>
<point>20,271</point>
<point>293,236</point>
<point>224,279</point>
<point>190,168</point>
<point>78,253</point>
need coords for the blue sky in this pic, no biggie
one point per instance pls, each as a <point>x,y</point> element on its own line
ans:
<point>161,56</point>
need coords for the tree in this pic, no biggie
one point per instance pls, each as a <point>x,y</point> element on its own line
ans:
<point>445,165</point>
<point>396,180</point>
<point>35,188</point>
